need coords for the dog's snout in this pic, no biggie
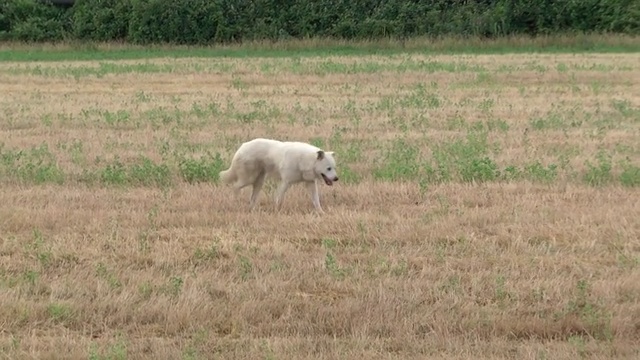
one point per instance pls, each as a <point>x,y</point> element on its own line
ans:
<point>335,178</point>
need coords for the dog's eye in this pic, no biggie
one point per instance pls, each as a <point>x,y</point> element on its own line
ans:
<point>328,169</point>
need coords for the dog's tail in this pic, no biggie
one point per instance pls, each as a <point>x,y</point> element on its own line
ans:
<point>227,176</point>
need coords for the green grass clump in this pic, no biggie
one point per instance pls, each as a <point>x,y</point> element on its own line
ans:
<point>400,162</point>
<point>600,173</point>
<point>204,169</point>
<point>36,165</point>
<point>145,172</point>
<point>630,175</point>
<point>463,160</point>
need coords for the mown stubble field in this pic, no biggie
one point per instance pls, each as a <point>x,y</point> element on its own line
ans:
<point>488,208</point>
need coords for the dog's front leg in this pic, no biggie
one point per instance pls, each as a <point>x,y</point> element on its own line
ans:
<point>315,197</point>
<point>284,186</point>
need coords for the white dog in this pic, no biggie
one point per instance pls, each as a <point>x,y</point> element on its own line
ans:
<point>289,162</point>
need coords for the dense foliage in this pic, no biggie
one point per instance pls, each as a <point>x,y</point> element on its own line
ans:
<point>215,21</point>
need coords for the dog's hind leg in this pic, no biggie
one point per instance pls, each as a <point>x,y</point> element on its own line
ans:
<point>243,178</point>
<point>257,186</point>
<point>284,186</point>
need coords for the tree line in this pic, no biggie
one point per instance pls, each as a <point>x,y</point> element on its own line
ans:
<point>204,22</point>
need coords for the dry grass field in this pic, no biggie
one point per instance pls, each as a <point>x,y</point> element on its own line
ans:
<point>488,208</point>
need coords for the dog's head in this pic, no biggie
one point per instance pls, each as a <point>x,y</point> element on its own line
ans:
<point>325,167</point>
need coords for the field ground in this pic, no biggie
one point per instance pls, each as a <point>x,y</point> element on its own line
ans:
<point>487,208</point>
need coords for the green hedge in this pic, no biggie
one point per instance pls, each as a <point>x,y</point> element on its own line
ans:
<point>32,20</point>
<point>216,21</point>
<point>100,20</point>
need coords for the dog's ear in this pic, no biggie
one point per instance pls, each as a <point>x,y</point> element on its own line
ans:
<point>330,153</point>
<point>320,154</point>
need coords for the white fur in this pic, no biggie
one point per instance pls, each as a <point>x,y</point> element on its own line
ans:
<point>288,162</point>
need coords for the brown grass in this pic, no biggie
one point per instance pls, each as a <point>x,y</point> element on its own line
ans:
<point>502,269</point>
